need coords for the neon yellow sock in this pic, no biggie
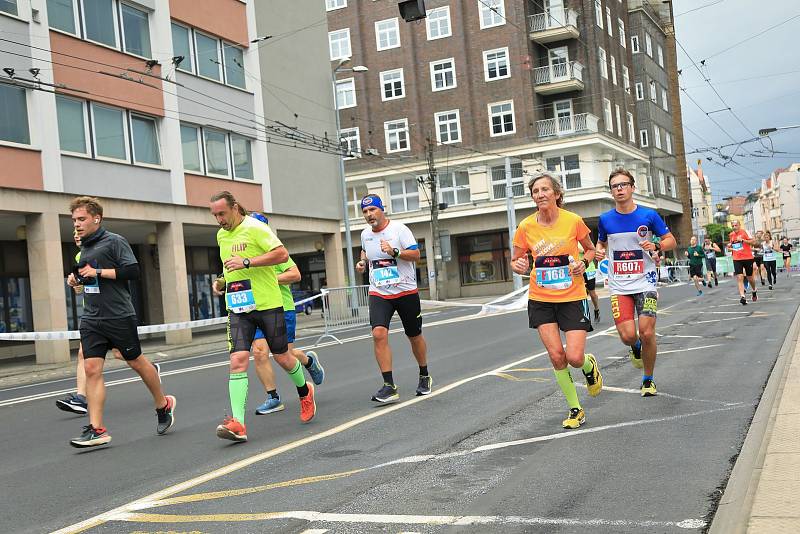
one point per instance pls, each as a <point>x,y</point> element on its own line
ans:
<point>237,389</point>
<point>564,380</point>
<point>587,364</point>
<point>297,376</point>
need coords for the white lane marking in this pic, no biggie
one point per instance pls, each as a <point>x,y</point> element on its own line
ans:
<point>315,531</point>
<point>718,320</point>
<point>736,312</point>
<point>690,348</point>
<point>675,335</point>
<point>614,357</point>
<point>662,394</point>
<point>162,354</point>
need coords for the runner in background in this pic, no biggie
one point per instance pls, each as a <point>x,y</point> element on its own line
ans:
<point>786,249</point>
<point>770,259</point>
<point>710,250</point>
<point>590,280</point>
<point>695,255</point>
<point>758,257</point>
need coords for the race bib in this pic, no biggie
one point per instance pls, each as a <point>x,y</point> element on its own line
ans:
<point>591,275</point>
<point>710,254</point>
<point>769,255</point>
<point>552,272</point>
<point>384,272</point>
<point>239,297</point>
<point>737,246</point>
<point>628,264</point>
<point>92,287</point>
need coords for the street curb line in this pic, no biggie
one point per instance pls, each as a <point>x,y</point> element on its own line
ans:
<point>733,513</point>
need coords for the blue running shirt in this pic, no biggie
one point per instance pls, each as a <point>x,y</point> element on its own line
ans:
<point>631,268</point>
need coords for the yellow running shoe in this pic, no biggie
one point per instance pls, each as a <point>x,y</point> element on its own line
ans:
<point>576,418</point>
<point>649,388</point>
<point>635,360</point>
<point>594,380</point>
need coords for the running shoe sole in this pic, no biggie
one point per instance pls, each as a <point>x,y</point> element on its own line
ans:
<point>421,391</point>
<point>313,400</point>
<point>597,387</point>
<point>224,433</point>
<point>100,440</point>
<point>278,408</point>
<point>67,407</point>
<point>387,400</point>
<point>581,421</point>
<point>636,362</point>
<point>171,415</point>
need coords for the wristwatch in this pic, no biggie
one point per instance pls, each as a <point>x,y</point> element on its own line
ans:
<point>246,263</point>
<point>396,252</point>
<point>97,272</point>
<point>658,246</point>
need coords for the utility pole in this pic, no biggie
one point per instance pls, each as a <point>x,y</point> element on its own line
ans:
<point>435,248</point>
<point>512,219</point>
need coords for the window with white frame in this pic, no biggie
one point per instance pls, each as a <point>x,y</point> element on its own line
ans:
<point>499,183</point>
<point>404,195</point>
<point>631,130</point>
<point>14,115</point>
<point>567,169</point>
<point>387,34</point>
<point>396,134</point>
<point>192,148</point>
<point>144,136</point>
<point>653,92</point>
<point>63,15</point>
<point>438,23</point>
<point>664,103</point>
<point>443,74</point>
<point>216,152</point>
<point>673,191</point>
<point>501,118</point>
<point>392,84</point>
<point>207,56</point>
<point>209,63</point>
<point>354,196</point>
<point>492,13</point>
<point>598,13</point>
<point>660,55</point>
<point>330,5</point>
<point>454,188</point>
<point>623,42</point>
<point>626,79</point>
<point>656,136</point>
<point>643,140</point>
<point>618,113</point>
<point>601,54</point>
<point>613,70</point>
<point>495,64</point>
<point>648,44</point>
<point>639,88</point>
<point>9,6</point>
<point>339,44</point>
<point>182,47</point>
<point>233,64</point>
<point>609,120</point>
<point>350,142</point>
<point>72,125</point>
<point>345,93</point>
<point>448,126</point>
<point>635,44</point>
<point>662,182</point>
<point>668,142</point>
<point>608,22</point>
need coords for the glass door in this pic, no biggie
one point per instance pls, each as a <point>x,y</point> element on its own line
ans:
<point>562,109</point>
<point>559,64</point>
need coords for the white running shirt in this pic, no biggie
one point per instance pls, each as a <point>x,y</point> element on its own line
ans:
<point>390,277</point>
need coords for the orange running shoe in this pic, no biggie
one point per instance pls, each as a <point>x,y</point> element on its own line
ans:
<point>308,408</point>
<point>232,429</point>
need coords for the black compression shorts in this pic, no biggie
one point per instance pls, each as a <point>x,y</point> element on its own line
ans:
<point>407,307</point>
<point>242,330</point>
<point>567,315</point>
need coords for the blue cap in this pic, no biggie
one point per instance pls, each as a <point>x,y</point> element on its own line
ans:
<point>372,201</point>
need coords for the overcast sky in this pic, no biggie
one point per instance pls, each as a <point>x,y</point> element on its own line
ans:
<point>759,80</point>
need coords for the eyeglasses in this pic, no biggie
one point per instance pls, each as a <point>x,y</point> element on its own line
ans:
<point>620,186</point>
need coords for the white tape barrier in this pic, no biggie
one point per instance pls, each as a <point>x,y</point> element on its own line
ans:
<point>148,329</point>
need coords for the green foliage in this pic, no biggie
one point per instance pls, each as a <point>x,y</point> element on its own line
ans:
<point>718,233</point>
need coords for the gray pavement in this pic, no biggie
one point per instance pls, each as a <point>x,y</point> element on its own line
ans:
<point>485,452</point>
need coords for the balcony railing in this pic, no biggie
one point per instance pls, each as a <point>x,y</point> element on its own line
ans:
<point>580,123</point>
<point>553,19</point>
<point>558,72</point>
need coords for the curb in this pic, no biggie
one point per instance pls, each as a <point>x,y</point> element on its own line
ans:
<point>733,512</point>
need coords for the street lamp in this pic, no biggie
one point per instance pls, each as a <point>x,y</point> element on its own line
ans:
<point>351,272</point>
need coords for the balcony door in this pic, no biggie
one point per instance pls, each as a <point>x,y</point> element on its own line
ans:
<point>562,110</point>
<point>558,59</point>
<point>554,11</point>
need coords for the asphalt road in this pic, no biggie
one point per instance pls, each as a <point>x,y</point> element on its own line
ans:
<point>485,452</point>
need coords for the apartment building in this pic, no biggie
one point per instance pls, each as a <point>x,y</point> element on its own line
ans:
<point>549,84</point>
<point>152,106</point>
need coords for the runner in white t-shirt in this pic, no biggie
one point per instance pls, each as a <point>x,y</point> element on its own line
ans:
<point>390,252</point>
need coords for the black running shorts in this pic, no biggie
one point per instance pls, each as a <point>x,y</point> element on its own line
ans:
<point>590,283</point>
<point>98,336</point>
<point>696,270</point>
<point>743,266</point>
<point>567,315</point>
<point>242,330</point>
<point>407,307</point>
<point>759,260</point>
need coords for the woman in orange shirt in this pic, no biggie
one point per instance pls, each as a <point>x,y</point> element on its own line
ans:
<point>557,295</point>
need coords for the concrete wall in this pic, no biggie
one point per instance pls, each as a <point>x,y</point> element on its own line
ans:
<point>83,176</point>
<point>212,110</point>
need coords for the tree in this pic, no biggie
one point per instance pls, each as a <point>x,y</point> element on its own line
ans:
<point>718,233</point>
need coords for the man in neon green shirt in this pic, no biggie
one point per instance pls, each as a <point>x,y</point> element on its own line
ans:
<point>249,249</point>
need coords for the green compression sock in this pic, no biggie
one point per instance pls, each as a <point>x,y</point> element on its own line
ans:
<point>564,380</point>
<point>297,376</point>
<point>587,364</point>
<point>237,389</point>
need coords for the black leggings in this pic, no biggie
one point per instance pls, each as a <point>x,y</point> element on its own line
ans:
<point>772,271</point>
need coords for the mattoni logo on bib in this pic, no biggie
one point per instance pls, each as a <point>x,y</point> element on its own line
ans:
<point>642,231</point>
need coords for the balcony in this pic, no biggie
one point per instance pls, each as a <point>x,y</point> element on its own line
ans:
<point>558,78</point>
<point>555,25</point>
<point>581,123</point>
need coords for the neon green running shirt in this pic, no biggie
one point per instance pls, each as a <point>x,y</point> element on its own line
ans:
<point>286,291</point>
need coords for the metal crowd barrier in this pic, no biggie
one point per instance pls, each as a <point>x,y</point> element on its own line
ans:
<point>344,308</point>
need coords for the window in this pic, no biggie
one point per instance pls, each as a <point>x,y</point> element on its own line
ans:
<point>354,196</point>
<point>662,182</point>
<point>648,44</point>
<point>438,23</point>
<point>339,44</point>
<point>493,13</point>
<point>145,140</point>
<point>643,139</point>
<point>454,188</point>
<point>626,79</point>
<point>501,117</point>
<point>208,60</point>
<point>345,93</point>
<point>99,21</point>
<point>223,151</point>
<point>601,54</point>
<point>621,26</point>
<point>181,46</point>
<point>631,133</point>
<point>657,136</point>
<point>14,115</point>
<point>660,56</point>
<point>9,6</point>
<point>396,133</point>
<point>653,92</point>
<point>242,157</point>
<point>330,5</point>
<point>350,142</point>
<point>233,60</point>
<point>619,119</point>
<point>443,74</point>
<point>484,258</point>
<point>71,125</point>
<point>448,127</point>
<point>607,115</point>
<point>404,195</point>
<point>613,70</point>
<point>499,181</point>
<point>639,91</point>
<point>387,34</point>
<point>668,142</point>
<point>61,15</point>
<point>598,13</point>
<point>608,21</point>
<point>664,103</point>
<point>635,44</point>
<point>495,64</point>
<point>216,144</point>
<point>190,147</point>
<point>135,31</point>
<point>393,84</point>
<point>567,169</point>
<point>673,192</point>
